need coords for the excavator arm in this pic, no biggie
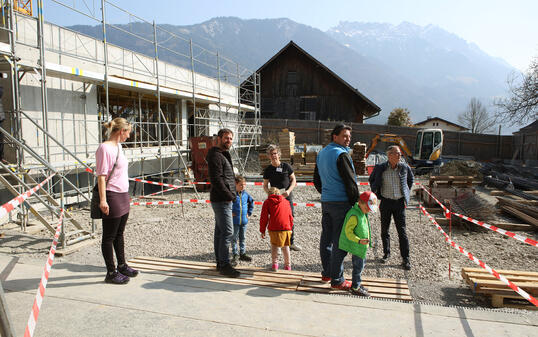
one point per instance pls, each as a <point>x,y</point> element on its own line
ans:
<point>390,138</point>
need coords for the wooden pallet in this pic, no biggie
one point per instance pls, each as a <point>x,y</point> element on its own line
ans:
<point>283,280</point>
<point>482,282</point>
<point>453,181</point>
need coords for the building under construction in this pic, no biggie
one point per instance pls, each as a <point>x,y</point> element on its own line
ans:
<point>60,86</point>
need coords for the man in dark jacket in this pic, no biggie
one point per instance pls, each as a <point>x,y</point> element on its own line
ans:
<point>391,181</point>
<point>222,195</point>
<point>335,179</point>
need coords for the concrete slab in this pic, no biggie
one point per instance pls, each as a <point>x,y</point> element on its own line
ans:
<point>78,303</point>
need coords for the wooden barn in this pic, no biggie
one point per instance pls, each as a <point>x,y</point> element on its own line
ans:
<point>294,85</point>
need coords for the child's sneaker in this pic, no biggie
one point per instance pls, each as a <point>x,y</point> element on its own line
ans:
<point>360,291</point>
<point>346,285</point>
<point>274,267</point>
<point>326,279</point>
<point>287,267</point>
<point>116,278</point>
<point>245,257</point>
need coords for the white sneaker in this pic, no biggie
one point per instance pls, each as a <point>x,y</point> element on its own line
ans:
<point>296,247</point>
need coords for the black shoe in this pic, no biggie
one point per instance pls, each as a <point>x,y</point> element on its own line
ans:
<point>218,266</point>
<point>360,291</point>
<point>235,257</point>
<point>116,278</point>
<point>127,271</point>
<point>228,270</point>
<point>245,257</point>
<point>406,265</point>
<point>385,258</point>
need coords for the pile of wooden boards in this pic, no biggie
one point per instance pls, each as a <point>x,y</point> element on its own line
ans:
<point>307,162</point>
<point>526,210</point>
<point>359,151</point>
<point>286,141</point>
<point>482,282</point>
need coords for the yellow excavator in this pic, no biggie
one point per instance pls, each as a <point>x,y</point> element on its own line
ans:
<point>428,147</point>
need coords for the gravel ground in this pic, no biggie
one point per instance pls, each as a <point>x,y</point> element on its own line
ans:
<point>173,232</point>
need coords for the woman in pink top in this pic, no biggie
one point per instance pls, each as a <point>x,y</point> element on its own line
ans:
<point>113,182</point>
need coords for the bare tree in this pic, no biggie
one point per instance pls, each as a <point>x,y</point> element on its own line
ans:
<point>476,118</point>
<point>522,106</point>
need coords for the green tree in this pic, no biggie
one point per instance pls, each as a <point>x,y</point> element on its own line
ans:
<point>399,117</point>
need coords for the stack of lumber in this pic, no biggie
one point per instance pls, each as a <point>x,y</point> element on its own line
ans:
<point>482,282</point>
<point>525,210</point>
<point>359,151</point>
<point>298,159</point>
<point>310,157</point>
<point>286,141</point>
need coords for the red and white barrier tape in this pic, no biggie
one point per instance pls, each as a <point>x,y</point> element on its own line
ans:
<point>32,320</point>
<point>499,230</point>
<point>159,192</point>
<point>473,258</point>
<point>199,201</point>
<point>447,211</point>
<point>155,183</point>
<point>10,205</point>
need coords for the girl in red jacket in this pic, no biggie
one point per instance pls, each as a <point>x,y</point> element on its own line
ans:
<point>276,211</point>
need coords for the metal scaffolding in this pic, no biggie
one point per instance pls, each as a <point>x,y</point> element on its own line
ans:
<point>167,103</point>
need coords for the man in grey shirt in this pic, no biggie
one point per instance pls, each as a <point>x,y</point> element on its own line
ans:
<point>391,181</point>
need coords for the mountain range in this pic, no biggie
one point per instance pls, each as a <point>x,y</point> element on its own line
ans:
<point>425,69</point>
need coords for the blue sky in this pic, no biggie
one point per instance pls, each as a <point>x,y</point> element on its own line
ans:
<point>502,28</point>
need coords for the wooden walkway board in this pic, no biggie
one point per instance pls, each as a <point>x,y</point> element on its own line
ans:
<point>482,282</point>
<point>283,280</point>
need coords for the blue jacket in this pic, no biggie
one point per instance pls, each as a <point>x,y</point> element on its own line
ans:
<point>406,179</point>
<point>332,185</point>
<point>243,205</point>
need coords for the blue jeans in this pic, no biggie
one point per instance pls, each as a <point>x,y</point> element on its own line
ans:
<point>332,258</point>
<point>239,233</point>
<point>223,231</point>
<point>358,266</point>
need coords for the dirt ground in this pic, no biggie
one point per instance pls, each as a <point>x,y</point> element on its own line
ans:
<point>187,233</point>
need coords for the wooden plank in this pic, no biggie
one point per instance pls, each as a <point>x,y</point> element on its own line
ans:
<point>514,227</point>
<point>504,272</point>
<point>483,284</point>
<point>520,215</point>
<point>164,271</point>
<point>498,301</point>
<point>513,278</point>
<point>317,278</point>
<point>451,178</point>
<point>389,288</point>
<point>401,297</point>
<point>194,263</point>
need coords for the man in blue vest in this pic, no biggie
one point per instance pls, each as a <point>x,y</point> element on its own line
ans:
<point>335,179</point>
<point>391,181</point>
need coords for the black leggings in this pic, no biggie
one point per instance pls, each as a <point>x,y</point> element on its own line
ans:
<point>113,241</point>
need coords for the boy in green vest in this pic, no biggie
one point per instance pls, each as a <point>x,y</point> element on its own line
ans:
<point>355,238</point>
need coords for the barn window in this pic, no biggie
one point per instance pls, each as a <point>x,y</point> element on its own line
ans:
<point>292,77</point>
